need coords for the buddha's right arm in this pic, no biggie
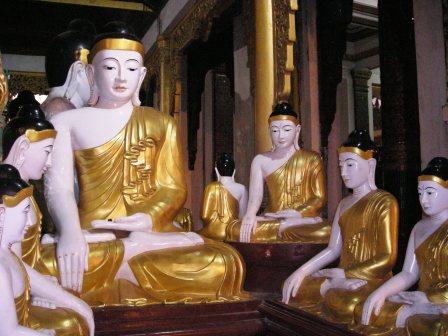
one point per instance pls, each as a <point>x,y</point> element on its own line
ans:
<point>255,188</point>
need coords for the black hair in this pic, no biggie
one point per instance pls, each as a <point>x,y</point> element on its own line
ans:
<point>62,51</point>
<point>438,166</point>
<point>116,29</point>
<point>24,97</point>
<point>361,139</point>
<point>225,164</point>
<point>283,108</point>
<point>10,181</point>
<point>30,116</point>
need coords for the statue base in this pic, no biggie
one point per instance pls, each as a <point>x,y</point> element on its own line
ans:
<point>285,320</point>
<point>214,319</point>
<point>269,264</point>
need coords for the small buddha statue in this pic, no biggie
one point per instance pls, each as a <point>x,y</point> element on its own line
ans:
<point>65,67</point>
<point>31,303</point>
<point>363,237</point>
<point>390,309</point>
<point>224,200</point>
<point>296,188</point>
<point>129,168</point>
<point>24,97</point>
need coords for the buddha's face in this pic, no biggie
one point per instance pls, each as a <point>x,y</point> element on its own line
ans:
<point>433,197</point>
<point>283,133</point>
<point>117,74</point>
<point>15,221</point>
<point>37,159</point>
<point>354,169</point>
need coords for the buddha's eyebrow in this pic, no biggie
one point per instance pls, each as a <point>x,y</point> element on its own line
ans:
<point>132,60</point>
<point>110,58</point>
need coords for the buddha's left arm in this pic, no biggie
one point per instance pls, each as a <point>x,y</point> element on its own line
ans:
<point>314,204</point>
<point>384,247</point>
<point>171,192</point>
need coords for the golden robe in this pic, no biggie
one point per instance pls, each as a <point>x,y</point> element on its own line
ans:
<point>299,184</point>
<point>432,259</point>
<point>31,241</point>
<point>369,230</point>
<point>64,321</point>
<point>219,208</point>
<point>139,170</point>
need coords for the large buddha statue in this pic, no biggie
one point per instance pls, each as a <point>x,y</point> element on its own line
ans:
<point>391,310</point>
<point>296,187</point>
<point>31,304</point>
<point>130,176</point>
<point>363,237</point>
<point>224,200</point>
<point>65,67</point>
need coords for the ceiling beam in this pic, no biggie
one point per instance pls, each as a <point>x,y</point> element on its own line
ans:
<point>124,5</point>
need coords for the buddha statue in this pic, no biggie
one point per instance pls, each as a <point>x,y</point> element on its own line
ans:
<point>391,309</point>
<point>31,304</point>
<point>296,188</point>
<point>24,97</point>
<point>224,200</point>
<point>129,169</point>
<point>363,237</point>
<point>65,67</point>
<point>4,91</point>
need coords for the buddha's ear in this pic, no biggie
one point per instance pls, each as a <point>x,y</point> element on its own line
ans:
<point>2,220</point>
<point>372,169</point>
<point>90,72</point>
<point>135,97</point>
<point>296,140</point>
<point>233,175</point>
<point>218,175</point>
<point>18,151</point>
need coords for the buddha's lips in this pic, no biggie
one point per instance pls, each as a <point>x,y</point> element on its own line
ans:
<point>120,88</point>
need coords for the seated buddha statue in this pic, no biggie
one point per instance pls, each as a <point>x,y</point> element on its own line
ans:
<point>296,187</point>
<point>363,237</point>
<point>31,303</point>
<point>224,200</point>
<point>391,309</point>
<point>130,176</point>
<point>65,68</point>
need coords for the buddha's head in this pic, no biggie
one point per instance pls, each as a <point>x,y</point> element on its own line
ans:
<point>28,141</point>
<point>284,127</point>
<point>116,66</point>
<point>225,166</point>
<point>433,187</point>
<point>357,160</point>
<point>14,206</point>
<point>24,97</point>
<point>66,61</point>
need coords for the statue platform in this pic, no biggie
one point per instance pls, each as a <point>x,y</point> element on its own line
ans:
<point>208,319</point>
<point>269,264</point>
<point>285,320</point>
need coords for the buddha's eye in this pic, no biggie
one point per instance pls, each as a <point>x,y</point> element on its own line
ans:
<point>26,210</point>
<point>109,67</point>
<point>132,69</point>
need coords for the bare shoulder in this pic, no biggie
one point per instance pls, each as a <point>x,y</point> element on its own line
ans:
<point>70,117</point>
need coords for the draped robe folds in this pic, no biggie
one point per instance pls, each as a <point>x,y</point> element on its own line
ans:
<point>219,208</point>
<point>64,321</point>
<point>432,260</point>
<point>369,250</point>
<point>139,170</point>
<point>299,184</point>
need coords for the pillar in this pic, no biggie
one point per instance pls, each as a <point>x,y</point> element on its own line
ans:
<point>361,97</point>
<point>164,79</point>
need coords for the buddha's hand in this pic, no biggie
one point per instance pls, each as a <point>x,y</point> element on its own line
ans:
<point>291,285</point>
<point>286,223</point>
<point>42,302</point>
<point>348,284</point>
<point>47,332</point>
<point>287,213</point>
<point>443,308</point>
<point>72,251</point>
<point>248,226</point>
<point>330,273</point>
<point>137,222</point>
<point>374,303</point>
<point>409,298</point>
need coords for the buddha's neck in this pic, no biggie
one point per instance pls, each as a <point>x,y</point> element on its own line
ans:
<point>362,190</point>
<point>439,218</point>
<point>108,104</point>
<point>288,151</point>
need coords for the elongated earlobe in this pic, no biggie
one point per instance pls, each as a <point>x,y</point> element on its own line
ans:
<point>135,97</point>
<point>218,175</point>
<point>371,178</point>
<point>93,99</point>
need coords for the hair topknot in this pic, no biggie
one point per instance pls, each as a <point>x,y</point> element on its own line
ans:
<point>438,166</point>
<point>10,181</point>
<point>360,138</point>
<point>283,108</point>
<point>116,29</point>
<point>24,97</point>
<point>225,164</point>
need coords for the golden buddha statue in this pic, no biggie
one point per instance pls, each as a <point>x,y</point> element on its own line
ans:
<point>130,176</point>
<point>391,310</point>
<point>224,200</point>
<point>296,187</point>
<point>4,92</point>
<point>363,237</point>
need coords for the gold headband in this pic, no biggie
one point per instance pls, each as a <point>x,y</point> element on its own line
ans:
<point>366,155</point>
<point>433,178</point>
<point>12,201</point>
<point>35,136</point>
<point>284,117</point>
<point>117,44</point>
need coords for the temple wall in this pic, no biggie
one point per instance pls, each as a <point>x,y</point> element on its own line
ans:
<point>23,63</point>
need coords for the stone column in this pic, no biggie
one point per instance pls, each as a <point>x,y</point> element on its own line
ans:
<point>164,77</point>
<point>361,97</point>
<point>264,72</point>
<point>400,156</point>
